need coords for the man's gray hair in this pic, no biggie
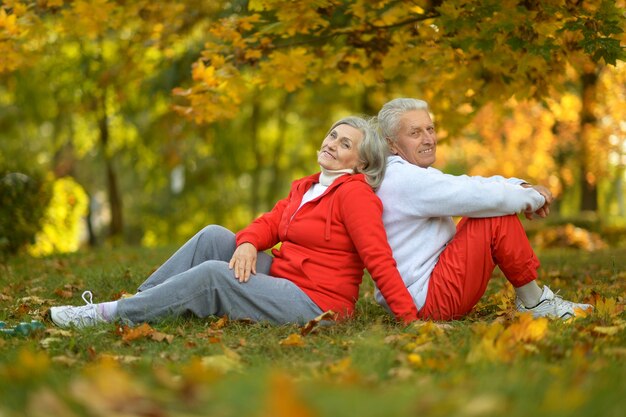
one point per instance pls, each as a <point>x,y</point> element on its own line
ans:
<point>372,150</point>
<point>391,112</point>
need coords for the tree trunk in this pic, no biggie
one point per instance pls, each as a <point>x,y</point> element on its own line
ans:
<point>255,195</point>
<point>274,189</point>
<point>116,227</point>
<point>588,182</point>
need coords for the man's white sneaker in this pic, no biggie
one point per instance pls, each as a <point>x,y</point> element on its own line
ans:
<point>83,316</point>
<point>551,305</point>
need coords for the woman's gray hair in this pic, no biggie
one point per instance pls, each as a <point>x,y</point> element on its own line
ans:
<point>372,151</point>
<point>391,112</point>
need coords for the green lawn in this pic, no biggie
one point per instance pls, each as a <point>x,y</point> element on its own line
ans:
<point>493,362</point>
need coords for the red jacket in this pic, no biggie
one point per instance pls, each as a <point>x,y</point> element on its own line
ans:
<point>328,242</point>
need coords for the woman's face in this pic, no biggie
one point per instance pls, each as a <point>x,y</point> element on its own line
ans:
<point>340,148</point>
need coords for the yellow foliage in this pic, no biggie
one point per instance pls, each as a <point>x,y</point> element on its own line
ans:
<point>608,308</point>
<point>8,23</point>
<point>54,3</point>
<point>568,236</point>
<point>288,70</point>
<point>503,344</point>
<point>90,18</point>
<point>61,229</point>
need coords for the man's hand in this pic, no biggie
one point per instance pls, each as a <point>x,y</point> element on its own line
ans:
<point>544,210</point>
<point>243,261</point>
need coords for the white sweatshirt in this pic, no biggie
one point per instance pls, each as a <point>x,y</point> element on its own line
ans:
<point>418,205</point>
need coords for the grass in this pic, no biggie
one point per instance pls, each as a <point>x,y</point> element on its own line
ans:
<point>493,362</point>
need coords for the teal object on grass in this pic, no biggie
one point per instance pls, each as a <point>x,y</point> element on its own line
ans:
<point>22,329</point>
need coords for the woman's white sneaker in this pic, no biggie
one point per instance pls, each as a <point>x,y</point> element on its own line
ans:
<point>551,305</point>
<point>83,316</point>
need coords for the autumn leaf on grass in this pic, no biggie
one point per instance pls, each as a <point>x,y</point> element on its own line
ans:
<point>307,328</point>
<point>500,343</point>
<point>609,330</point>
<point>283,399</point>
<point>219,324</point>
<point>29,366</point>
<point>64,293</point>
<point>608,308</point>
<point>105,389</point>
<point>294,339</point>
<point>208,368</point>
<point>44,402</point>
<point>133,333</point>
<point>222,363</point>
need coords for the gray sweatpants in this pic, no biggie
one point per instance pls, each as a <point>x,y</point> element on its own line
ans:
<point>196,279</point>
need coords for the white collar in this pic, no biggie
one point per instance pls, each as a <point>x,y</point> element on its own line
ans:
<point>328,176</point>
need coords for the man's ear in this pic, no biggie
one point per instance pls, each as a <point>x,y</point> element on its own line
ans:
<point>392,146</point>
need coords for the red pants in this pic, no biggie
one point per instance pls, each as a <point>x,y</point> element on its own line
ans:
<point>464,268</point>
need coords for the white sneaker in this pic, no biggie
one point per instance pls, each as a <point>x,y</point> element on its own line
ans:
<point>83,316</point>
<point>551,305</point>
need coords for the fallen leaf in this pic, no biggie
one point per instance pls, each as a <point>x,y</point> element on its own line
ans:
<point>64,360</point>
<point>283,399</point>
<point>294,339</point>
<point>607,330</point>
<point>159,337</point>
<point>415,359</point>
<point>327,315</point>
<point>64,293</point>
<point>223,321</point>
<point>53,331</point>
<point>221,363</point>
<point>608,307</point>
<point>44,402</point>
<point>124,359</point>
<point>133,333</point>
<point>45,343</point>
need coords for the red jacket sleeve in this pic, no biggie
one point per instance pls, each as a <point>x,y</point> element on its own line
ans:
<point>362,213</point>
<point>263,232</point>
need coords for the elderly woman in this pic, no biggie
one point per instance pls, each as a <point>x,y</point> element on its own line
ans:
<point>329,227</point>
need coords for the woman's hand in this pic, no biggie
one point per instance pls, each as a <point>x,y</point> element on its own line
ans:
<point>243,261</point>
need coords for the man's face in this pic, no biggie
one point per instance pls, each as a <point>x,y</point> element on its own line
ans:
<point>416,139</point>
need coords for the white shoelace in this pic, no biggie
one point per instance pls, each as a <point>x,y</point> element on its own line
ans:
<point>90,295</point>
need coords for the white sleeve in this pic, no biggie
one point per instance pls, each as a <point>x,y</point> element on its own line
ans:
<point>431,193</point>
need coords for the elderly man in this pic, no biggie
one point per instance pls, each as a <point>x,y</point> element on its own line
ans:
<point>447,268</point>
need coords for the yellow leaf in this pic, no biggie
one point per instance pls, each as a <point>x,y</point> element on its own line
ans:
<point>44,402</point>
<point>132,333</point>
<point>293,339</point>
<point>221,363</point>
<point>54,3</point>
<point>221,323</point>
<point>283,399</point>
<point>340,367</point>
<point>159,337</point>
<point>415,359</point>
<point>608,307</point>
<point>307,328</point>
<point>607,330</point>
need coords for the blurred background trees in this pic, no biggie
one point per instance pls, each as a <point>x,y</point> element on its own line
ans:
<point>173,115</point>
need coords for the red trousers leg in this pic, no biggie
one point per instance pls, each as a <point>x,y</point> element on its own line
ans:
<point>465,266</point>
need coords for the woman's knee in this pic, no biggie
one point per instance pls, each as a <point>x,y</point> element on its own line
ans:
<point>215,230</point>
<point>216,236</point>
<point>213,274</point>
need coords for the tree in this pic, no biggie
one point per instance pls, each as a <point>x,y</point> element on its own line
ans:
<point>465,53</point>
<point>99,55</point>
